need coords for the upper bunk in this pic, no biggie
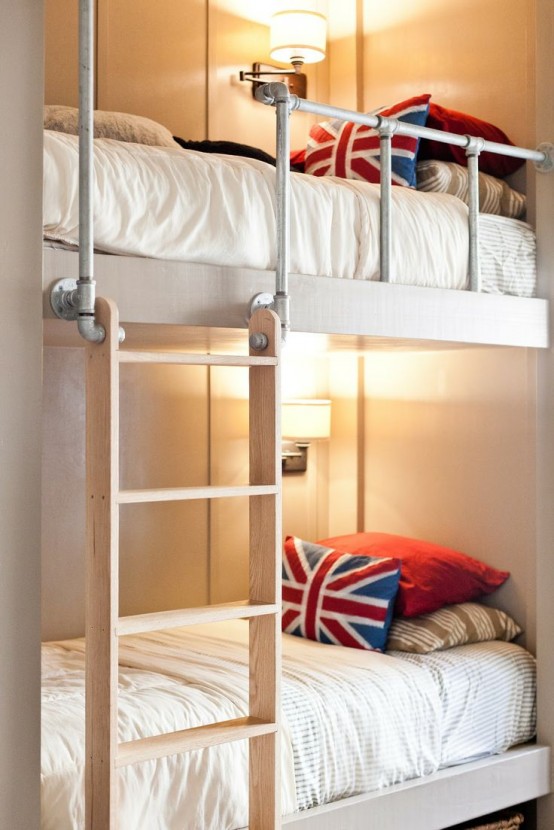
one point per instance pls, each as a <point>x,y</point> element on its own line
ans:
<point>186,238</point>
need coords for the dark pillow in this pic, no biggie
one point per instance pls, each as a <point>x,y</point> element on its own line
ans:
<point>460,123</point>
<point>431,575</point>
<point>226,148</point>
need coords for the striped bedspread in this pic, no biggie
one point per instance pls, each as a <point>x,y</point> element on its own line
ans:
<point>353,721</point>
<point>168,203</point>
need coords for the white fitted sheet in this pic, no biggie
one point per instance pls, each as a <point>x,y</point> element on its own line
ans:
<point>168,203</point>
<point>353,721</point>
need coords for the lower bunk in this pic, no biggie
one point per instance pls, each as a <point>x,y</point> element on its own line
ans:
<point>368,740</point>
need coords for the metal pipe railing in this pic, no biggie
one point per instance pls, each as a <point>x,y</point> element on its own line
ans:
<point>70,299</point>
<point>277,94</point>
<point>385,205</point>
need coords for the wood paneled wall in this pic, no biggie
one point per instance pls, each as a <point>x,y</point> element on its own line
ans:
<point>450,439</point>
<point>472,55</point>
<point>178,65</point>
<point>181,68</point>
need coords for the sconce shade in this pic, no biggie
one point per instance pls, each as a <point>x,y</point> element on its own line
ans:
<point>306,420</point>
<point>298,32</point>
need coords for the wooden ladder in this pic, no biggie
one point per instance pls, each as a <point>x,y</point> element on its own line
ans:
<point>104,755</point>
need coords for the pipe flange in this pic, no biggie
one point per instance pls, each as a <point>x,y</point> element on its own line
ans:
<point>60,299</point>
<point>547,165</point>
<point>262,300</point>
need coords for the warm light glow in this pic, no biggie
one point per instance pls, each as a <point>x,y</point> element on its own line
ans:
<point>298,32</point>
<point>306,420</point>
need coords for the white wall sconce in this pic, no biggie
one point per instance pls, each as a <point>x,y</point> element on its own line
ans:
<point>298,35</point>
<point>303,421</point>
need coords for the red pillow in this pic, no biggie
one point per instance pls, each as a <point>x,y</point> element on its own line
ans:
<point>431,576</point>
<point>451,121</point>
<point>298,159</point>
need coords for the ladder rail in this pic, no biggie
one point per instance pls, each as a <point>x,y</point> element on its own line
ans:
<point>102,572</point>
<point>265,577</point>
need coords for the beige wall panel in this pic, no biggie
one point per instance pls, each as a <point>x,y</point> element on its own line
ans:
<point>346,445</point>
<point>545,420</point>
<point>305,495</point>
<point>343,55</point>
<point>63,493</point>
<point>450,457</point>
<point>236,41</point>
<point>21,85</point>
<point>152,61</point>
<point>61,82</point>
<point>228,466</point>
<point>163,444</point>
<point>164,429</point>
<point>473,55</point>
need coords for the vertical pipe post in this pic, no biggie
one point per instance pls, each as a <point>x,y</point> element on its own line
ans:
<point>86,132</point>
<point>472,152</point>
<point>385,205</point>
<point>282,300</point>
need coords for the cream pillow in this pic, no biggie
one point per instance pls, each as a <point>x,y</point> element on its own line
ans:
<point>118,125</point>
<point>495,196</point>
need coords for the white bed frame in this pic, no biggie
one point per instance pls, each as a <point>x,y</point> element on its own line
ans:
<point>166,293</point>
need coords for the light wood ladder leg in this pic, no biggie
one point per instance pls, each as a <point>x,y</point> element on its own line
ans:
<point>102,585</point>
<point>265,579</point>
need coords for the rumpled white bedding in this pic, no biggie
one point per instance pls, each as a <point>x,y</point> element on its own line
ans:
<point>353,721</point>
<point>182,205</point>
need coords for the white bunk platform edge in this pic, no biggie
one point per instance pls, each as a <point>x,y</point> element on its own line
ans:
<point>437,801</point>
<point>190,294</point>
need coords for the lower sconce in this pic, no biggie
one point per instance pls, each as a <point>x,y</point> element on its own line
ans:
<point>303,421</point>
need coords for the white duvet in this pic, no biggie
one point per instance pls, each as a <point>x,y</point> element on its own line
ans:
<point>173,204</point>
<point>353,721</point>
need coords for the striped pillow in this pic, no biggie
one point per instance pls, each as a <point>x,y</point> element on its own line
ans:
<point>495,196</point>
<point>453,625</point>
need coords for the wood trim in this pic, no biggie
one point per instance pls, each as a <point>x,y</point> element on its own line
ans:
<point>187,740</point>
<point>193,616</point>
<point>195,359</point>
<point>192,493</point>
<point>102,583</point>
<point>265,578</point>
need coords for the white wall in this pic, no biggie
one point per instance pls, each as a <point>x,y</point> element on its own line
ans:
<point>545,423</point>
<point>20,380</point>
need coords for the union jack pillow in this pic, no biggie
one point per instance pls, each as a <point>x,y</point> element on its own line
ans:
<point>351,151</point>
<point>337,598</point>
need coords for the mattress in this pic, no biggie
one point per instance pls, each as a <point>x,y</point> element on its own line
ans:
<point>353,721</point>
<point>169,203</point>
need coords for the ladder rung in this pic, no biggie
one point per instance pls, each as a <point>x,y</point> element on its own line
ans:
<point>200,737</point>
<point>128,356</point>
<point>188,493</point>
<point>243,609</point>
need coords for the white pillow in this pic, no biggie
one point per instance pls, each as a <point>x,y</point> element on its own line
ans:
<point>118,125</point>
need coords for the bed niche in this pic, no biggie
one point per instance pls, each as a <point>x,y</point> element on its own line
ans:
<point>431,438</point>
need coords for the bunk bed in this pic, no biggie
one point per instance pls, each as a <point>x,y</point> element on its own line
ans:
<point>212,296</point>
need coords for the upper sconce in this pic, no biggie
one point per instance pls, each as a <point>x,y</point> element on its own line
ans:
<point>298,35</point>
